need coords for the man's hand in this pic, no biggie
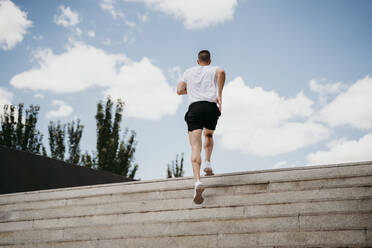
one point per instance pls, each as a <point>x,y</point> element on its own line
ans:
<point>181,88</point>
<point>219,102</point>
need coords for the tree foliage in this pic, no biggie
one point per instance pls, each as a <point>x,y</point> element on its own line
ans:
<point>57,140</point>
<point>57,134</point>
<point>19,131</point>
<point>74,132</point>
<point>176,168</point>
<point>88,160</point>
<point>113,154</point>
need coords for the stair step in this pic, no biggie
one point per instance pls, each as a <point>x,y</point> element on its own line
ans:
<point>346,238</point>
<point>188,228</point>
<point>188,241</point>
<point>149,230</point>
<point>255,177</point>
<point>186,203</point>
<point>349,238</point>
<point>184,193</point>
<point>313,206</point>
<point>198,214</point>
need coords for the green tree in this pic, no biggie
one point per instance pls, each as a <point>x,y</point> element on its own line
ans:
<point>125,156</point>
<point>88,160</point>
<point>112,154</point>
<point>20,131</point>
<point>74,132</point>
<point>57,134</point>
<point>176,168</point>
<point>57,142</point>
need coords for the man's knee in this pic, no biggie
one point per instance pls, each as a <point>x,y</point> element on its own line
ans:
<point>208,141</point>
<point>208,134</point>
<point>196,148</point>
<point>195,158</point>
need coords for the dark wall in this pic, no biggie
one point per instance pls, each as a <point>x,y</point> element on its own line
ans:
<point>22,171</point>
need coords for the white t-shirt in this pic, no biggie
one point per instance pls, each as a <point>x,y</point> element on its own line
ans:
<point>201,83</point>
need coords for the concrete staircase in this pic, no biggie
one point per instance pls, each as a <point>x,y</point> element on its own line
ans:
<point>314,206</point>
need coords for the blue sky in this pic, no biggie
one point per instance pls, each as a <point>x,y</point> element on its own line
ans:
<point>298,74</point>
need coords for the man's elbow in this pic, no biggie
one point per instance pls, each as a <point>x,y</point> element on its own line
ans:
<point>221,72</point>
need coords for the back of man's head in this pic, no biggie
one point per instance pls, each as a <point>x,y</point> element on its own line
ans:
<point>204,56</point>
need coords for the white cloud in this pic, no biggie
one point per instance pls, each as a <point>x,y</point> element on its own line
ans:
<point>262,123</point>
<point>129,38</point>
<point>145,91</point>
<point>38,37</point>
<point>38,95</point>
<point>280,164</point>
<point>141,85</point>
<point>106,42</point>
<point>6,97</point>
<point>62,111</point>
<point>352,107</point>
<point>80,67</point>
<point>195,13</point>
<point>109,6</point>
<point>130,24</point>
<point>341,151</point>
<point>91,33</point>
<point>326,88</point>
<point>66,17</point>
<point>143,17</point>
<point>175,74</point>
<point>13,24</point>
<point>78,31</point>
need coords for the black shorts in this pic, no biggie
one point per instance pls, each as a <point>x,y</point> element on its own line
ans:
<point>202,114</point>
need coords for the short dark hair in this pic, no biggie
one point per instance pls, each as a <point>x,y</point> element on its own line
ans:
<point>204,56</point>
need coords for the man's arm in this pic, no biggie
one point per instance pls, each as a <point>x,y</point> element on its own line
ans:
<point>181,88</point>
<point>221,75</point>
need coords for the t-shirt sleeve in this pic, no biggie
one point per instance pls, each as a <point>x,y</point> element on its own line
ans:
<point>215,72</point>
<point>184,77</point>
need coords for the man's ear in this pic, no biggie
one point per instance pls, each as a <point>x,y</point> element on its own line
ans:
<point>197,61</point>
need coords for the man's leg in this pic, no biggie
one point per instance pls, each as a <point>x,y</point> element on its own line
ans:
<point>208,143</point>
<point>196,143</point>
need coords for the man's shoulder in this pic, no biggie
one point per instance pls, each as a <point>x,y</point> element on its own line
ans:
<point>197,68</point>
<point>187,73</point>
<point>190,69</point>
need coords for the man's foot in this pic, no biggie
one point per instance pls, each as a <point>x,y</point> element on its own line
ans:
<point>198,190</point>
<point>208,169</point>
